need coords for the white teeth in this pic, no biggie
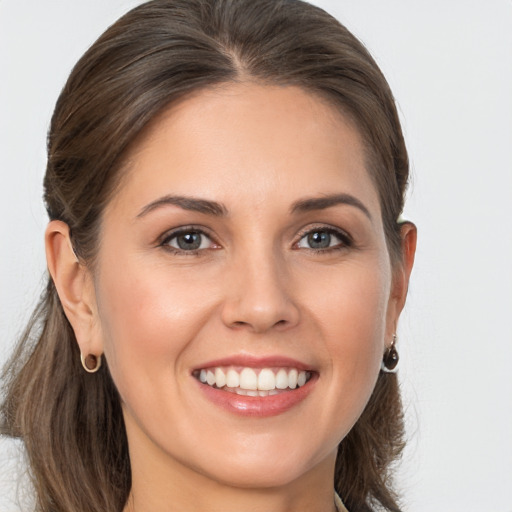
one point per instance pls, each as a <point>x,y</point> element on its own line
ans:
<point>248,379</point>
<point>282,379</point>
<point>253,382</point>
<point>220,378</point>
<point>266,380</point>
<point>210,378</point>
<point>232,379</point>
<point>292,378</point>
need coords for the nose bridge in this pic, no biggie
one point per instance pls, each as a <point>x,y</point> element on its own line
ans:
<point>258,296</point>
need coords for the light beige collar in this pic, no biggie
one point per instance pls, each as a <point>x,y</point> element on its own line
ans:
<point>339,504</point>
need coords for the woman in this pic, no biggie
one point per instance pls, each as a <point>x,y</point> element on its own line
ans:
<point>227,270</point>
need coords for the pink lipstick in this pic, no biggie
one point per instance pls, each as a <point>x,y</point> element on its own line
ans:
<point>255,386</point>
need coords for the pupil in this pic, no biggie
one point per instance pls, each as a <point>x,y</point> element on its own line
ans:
<point>319,240</point>
<point>189,241</point>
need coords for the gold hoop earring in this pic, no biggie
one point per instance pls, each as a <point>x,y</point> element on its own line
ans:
<point>91,363</point>
<point>390,358</point>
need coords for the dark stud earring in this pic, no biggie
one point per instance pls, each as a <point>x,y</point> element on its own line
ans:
<point>390,359</point>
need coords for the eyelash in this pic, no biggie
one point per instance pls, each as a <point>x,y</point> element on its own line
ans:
<point>185,230</point>
<point>345,239</point>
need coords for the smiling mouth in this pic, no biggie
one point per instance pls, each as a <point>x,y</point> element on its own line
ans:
<point>252,381</point>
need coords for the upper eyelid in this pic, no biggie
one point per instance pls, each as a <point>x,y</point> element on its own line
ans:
<point>164,242</point>
<point>323,227</point>
<point>171,233</point>
<point>345,239</point>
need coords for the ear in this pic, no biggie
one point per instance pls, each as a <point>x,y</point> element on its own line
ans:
<point>75,288</point>
<point>401,273</point>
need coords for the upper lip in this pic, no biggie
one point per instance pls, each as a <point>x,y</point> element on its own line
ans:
<point>250,361</point>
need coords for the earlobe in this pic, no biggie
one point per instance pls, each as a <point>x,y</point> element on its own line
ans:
<point>74,286</point>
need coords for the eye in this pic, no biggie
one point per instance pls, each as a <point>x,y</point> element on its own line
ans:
<point>319,239</point>
<point>189,240</point>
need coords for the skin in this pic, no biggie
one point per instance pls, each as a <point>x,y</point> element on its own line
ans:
<point>254,287</point>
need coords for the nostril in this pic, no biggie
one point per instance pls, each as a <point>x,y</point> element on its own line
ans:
<point>259,307</point>
<point>241,323</point>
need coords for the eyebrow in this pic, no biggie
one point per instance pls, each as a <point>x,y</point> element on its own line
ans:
<point>321,203</point>
<point>186,203</point>
<point>218,209</point>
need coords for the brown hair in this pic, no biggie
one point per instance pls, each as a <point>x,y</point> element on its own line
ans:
<point>71,422</point>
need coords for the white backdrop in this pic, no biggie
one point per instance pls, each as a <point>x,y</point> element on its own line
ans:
<point>449,63</point>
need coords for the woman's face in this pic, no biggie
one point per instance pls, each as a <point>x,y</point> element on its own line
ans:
<point>245,246</point>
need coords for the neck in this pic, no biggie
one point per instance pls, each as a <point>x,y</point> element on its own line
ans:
<point>229,500</point>
<point>161,484</point>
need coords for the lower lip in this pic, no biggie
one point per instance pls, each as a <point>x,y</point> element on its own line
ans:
<point>261,406</point>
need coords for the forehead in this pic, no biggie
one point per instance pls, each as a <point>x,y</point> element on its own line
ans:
<point>249,140</point>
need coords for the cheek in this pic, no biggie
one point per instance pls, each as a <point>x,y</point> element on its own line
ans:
<point>350,305</point>
<point>350,315</point>
<point>147,322</point>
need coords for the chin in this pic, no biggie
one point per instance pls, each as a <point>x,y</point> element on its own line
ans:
<point>265,469</point>
<point>263,475</point>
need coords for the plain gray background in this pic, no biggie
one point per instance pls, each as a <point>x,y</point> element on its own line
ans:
<point>449,63</point>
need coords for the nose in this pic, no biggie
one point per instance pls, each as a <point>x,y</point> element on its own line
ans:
<point>258,295</point>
